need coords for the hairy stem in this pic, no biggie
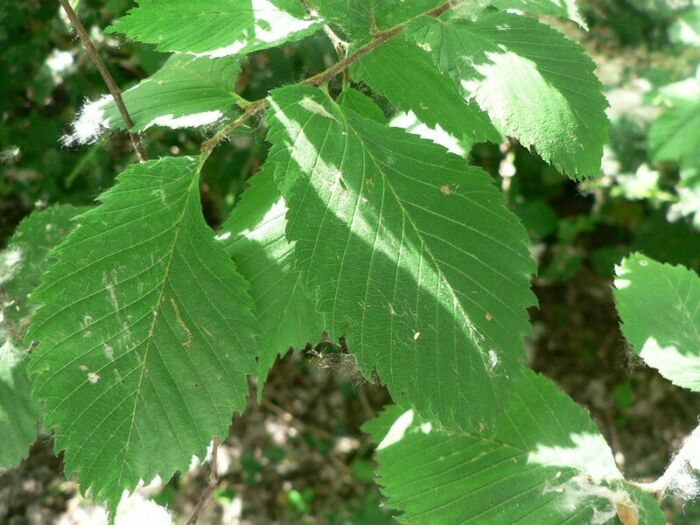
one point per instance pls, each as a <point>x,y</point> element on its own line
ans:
<point>211,487</point>
<point>339,67</point>
<point>250,110</point>
<point>106,76</point>
<point>679,465</point>
<point>379,38</point>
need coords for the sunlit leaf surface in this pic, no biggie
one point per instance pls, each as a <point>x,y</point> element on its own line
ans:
<point>216,28</point>
<point>659,306</point>
<point>536,85</point>
<point>409,251</point>
<point>544,463</point>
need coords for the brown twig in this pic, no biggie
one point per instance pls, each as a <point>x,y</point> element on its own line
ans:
<point>106,76</point>
<point>339,67</point>
<point>257,106</point>
<point>211,487</point>
<point>251,109</point>
<point>439,10</point>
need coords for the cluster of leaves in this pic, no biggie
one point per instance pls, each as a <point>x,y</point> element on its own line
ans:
<point>144,324</point>
<point>644,201</point>
<point>665,172</point>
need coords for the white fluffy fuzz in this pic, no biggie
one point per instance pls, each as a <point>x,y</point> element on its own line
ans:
<point>90,123</point>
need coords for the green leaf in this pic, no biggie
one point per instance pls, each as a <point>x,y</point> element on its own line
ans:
<point>545,462</point>
<point>535,84</point>
<point>216,28</point>
<point>254,236</point>
<point>186,92</point>
<point>559,8</point>
<point>406,75</point>
<point>355,16</point>
<point>21,265</point>
<point>370,209</point>
<point>19,415</point>
<point>685,30</point>
<point>361,104</point>
<point>145,333</point>
<point>24,261</point>
<point>675,135</point>
<point>659,306</point>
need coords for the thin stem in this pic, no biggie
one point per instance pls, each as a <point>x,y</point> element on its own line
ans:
<point>257,106</point>
<point>439,10</point>
<point>678,466</point>
<point>339,67</point>
<point>211,487</point>
<point>106,76</point>
<point>251,109</point>
<point>380,37</point>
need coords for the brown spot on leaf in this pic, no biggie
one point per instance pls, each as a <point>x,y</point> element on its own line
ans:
<point>182,324</point>
<point>628,513</point>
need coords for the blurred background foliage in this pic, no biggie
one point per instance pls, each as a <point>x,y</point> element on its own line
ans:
<point>299,456</point>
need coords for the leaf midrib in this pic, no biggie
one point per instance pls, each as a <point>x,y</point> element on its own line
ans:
<point>432,257</point>
<point>418,232</point>
<point>156,313</point>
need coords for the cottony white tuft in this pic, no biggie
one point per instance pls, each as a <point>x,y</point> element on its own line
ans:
<point>90,123</point>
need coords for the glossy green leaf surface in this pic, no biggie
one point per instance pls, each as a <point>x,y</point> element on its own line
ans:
<point>19,415</point>
<point>536,85</point>
<point>559,8</point>
<point>186,92</point>
<point>358,18</point>
<point>675,135</point>
<point>25,259</point>
<point>406,75</point>
<point>361,104</point>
